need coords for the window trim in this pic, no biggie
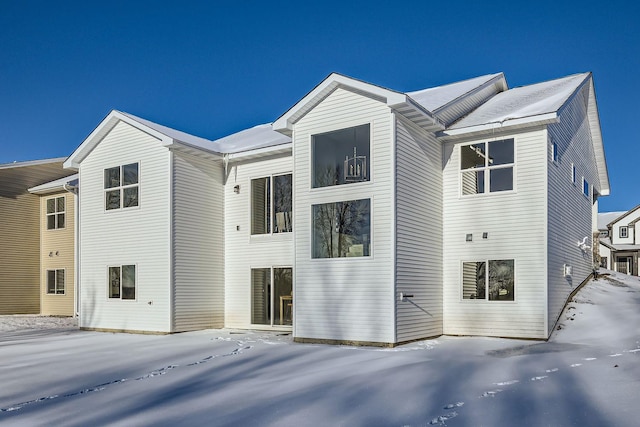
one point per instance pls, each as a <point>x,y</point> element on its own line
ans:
<point>135,282</point>
<point>55,213</point>
<point>626,232</point>
<point>586,188</point>
<point>330,129</point>
<point>486,299</point>
<point>489,193</point>
<point>121,187</point>
<point>554,152</point>
<point>64,285</point>
<point>251,205</point>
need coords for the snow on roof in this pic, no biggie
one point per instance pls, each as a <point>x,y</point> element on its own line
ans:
<point>31,163</point>
<point>437,97</point>
<point>55,184</point>
<point>605,218</point>
<point>260,136</point>
<point>524,101</point>
<point>177,135</point>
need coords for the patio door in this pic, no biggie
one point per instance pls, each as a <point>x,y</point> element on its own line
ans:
<point>624,264</point>
<point>271,296</point>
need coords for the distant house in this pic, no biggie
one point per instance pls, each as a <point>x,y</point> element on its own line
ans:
<point>361,215</point>
<point>22,278</point>
<point>57,245</point>
<point>619,242</point>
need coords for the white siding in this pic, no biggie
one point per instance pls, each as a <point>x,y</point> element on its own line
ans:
<point>516,224</point>
<point>606,252</point>
<point>139,235</point>
<point>198,243</point>
<point>418,232</point>
<point>570,212</point>
<point>346,299</point>
<point>243,251</point>
<point>626,221</point>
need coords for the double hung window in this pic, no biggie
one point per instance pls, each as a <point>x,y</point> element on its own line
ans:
<point>122,282</point>
<point>121,185</point>
<point>55,282</point>
<point>491,280</point>
<point>271,204</point>
<point>55,213</point>
<point>487,167</point>
<point>624,232</point>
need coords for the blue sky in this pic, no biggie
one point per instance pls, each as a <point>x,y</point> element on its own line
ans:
<point>212,70</point>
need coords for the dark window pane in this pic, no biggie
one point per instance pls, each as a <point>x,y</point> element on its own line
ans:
<point>114,282</point>
<point>341,229</point>
<point>60,220</point>
<point>112,177</point>
<point>112,199</point>
<point>472,156</point>
<point>60,204</point>
<point>51,281</point>
<point>283,300</point>
<point>51,206</point>
<point>130,197</point>
<point>500,152</point>
<point>128,282</point>
<point>501,280</point>
<point>282,200</point>
<point>501,179</point>
<point>341,157</point>
<point>130,174</point>
<point>51,222</point>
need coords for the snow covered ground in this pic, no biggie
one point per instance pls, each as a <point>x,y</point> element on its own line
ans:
<point>588,374</point>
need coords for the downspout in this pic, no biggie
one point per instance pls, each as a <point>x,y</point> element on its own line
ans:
<point>73,189</point>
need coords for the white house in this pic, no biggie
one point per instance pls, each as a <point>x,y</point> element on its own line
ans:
<point>619,243</point>
<point>361,215</point>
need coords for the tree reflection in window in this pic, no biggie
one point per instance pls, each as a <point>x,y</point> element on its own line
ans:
<point>342,229</point>
<point>500,275</point>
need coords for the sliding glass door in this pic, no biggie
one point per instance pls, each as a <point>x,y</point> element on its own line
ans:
<point>271,296</point>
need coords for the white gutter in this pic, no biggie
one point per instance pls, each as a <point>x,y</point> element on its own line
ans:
<point>73,189</point>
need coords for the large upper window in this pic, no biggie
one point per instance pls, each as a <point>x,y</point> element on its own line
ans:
<point>499,275</point>
<point>341,156</point>
<point>55,213</point>
<point>487,167</point>
<point>271,205</point>
<point>342,229</point>
<point>55,282</point>
<point>121,184</point>
<point>122,282</point>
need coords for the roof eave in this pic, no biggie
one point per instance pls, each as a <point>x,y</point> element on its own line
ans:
<point>260,152</point>
<point>539,119</point>
<point>173,144</point>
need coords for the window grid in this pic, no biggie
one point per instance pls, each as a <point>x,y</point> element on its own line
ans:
<point>56,213</point>
<point>121,185</point>
<point>55,282</point>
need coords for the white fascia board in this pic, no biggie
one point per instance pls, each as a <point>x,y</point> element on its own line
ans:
<point>265,151</point>
<point>105,126</point>
<point>531,120</point>
<point>285,122</point>
<point>173,144</point>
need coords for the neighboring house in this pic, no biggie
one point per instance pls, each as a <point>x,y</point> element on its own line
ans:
<point>57,245</point>
<point>20,281</point>
<point>361,215</point>
<point>619,247</point>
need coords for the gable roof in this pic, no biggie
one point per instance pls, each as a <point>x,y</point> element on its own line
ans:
<point>621,216</point>
<point>254,138</point>
<point>532,103</point>
<point>168,137</point>
<point>398,101</point>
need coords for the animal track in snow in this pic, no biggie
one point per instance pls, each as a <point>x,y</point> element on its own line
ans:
<point>441,419</point>
<point>491,393</point>
<point>539,378</point>
<point>615,355</point>
<point>575,365</point>
<point>454,405</point>
<point>589,359</point>
<point>507,382</point>
<point>552,370</point>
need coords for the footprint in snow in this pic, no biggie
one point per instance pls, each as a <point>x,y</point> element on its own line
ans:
<point>491,393</point>
<point>575,365</point>
<point>589,359</point>
<point>454,405</point>
<point>507,382</point>
<point>552,370</point>
<point>443,418</point>
<point>615,355</point>
<point>539,378</point>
